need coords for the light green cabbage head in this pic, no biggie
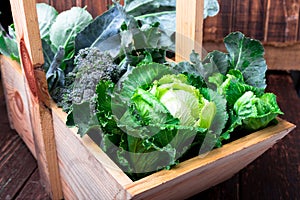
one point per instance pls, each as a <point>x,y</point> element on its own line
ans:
<point>184,101</point>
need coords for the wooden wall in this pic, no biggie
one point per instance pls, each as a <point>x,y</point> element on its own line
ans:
<point>95,7</point>
<point>266,20</point>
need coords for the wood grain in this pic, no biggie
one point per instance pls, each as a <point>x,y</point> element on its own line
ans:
<point>18,169</point>
<point>189,23</point>
<point>33,189</point>
<point>86,172</point>
<point>95,7</point>
<point>17,104</point>
<point>13,155</point>
<point>265,20</point>
<point>28,37</point>
<point>248,18</point>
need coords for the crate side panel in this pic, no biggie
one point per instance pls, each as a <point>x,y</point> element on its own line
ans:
<point>16,101</point>
<point>83,175</point>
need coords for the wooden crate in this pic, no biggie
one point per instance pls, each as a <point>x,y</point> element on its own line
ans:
<point>72,167</point>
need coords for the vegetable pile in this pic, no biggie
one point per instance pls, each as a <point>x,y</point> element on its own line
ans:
<point>112,77</point>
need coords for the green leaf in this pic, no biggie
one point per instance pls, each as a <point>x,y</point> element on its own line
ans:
<point>83,118</point>
<point>8,44</point>
<point>46,16</point>
<point>233,87</point>
<point>255,112</point>
<point>141,76</point>
<point>150,109</point>
<point>247,56</point>
<point>66,26</point>
<point>140,7</point>
<point>166,26</point>
<point>103,32</point>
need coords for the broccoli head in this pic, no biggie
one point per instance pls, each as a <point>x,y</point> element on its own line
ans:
<point>91,66</point>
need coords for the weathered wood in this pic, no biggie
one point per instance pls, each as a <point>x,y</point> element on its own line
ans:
<point>27,31</point>
<point>189,23</point>
<point>265,20</point>
<point>17,166</point>
<point>248,17</point>
<point>13,155</point>
<point>95,7</point>
<point>279,56</point>
<point>215,28</point>
<point>33,189</point>
<point>17,104</point>
<point>198,174</point>
<point>291,14</point>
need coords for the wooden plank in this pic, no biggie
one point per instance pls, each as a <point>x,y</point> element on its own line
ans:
<point>276,22</point>
<point>27,31</point>
<point>33,189</point>
<point>86,171</point>
<point>291,14</point>
<point>217,27</point>
<point>226,190</point>
<point>16,164</point>
<point>61,6</point>
<point>189,24</point>
<point>200,173</point>
<point>95,7</point>
<point>248,18</point>
<point>279,56</point>
<point>17,104</point>
<point>266,20</point>
<point>276,174</point>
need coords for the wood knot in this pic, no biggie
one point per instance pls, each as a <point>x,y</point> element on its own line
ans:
<point>18,104</point>
<point>28,69</point>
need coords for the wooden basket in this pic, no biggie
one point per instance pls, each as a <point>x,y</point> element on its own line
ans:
<point>72,167</point>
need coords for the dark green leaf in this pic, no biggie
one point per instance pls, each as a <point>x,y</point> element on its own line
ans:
<point>247,55</point>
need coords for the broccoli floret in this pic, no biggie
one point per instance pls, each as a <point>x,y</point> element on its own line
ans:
<point>91,66</point>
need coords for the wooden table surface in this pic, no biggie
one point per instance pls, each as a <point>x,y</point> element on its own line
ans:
<point>274,175</point>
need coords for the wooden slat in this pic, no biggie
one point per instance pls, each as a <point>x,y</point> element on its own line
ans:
<point>291,14</point>
<point>86,171</point>
<point>27,31</point>
<point>13,155</point>
<point>277,22</point>
<point>95,7</point>
<point>266,20</point>
<point>61,6</point>
<point>248,18</point>
<point>189,23</point>
<point>217,27</point>
<point>33,189</point>
<point>17,104</point>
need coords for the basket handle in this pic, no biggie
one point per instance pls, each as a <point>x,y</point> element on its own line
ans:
<point>189,28</point>
<point>31,54</point>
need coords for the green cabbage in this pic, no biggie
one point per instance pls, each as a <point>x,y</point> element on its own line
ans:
<point>155,115</point>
